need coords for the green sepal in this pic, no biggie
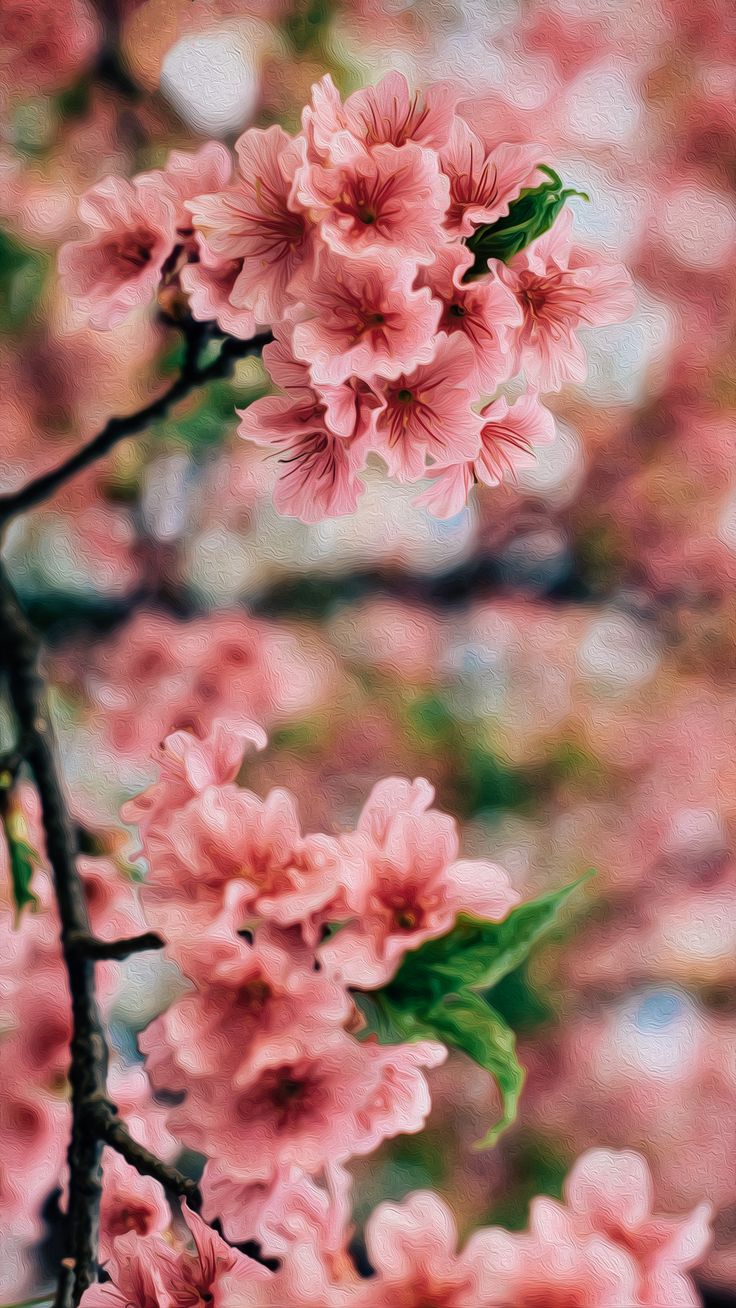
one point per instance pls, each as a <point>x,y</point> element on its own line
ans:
<point>529,217</point>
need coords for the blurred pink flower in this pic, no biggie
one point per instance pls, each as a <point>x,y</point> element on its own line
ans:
<point>483,183</point>
<point>612,1194</point>
<point>555,1265</point>
<point>45,43</point>
<point>387,202</point>
<point>413,1247</point>
<point>427,413</point>
<point>33,1129</point>
<point>362,317</point>
<point>256,221</point>
<point>130,1202</point>
<point>133,226</point>
<point>483,311</point>
<point>308,1100</point>
<point>303,1280</point>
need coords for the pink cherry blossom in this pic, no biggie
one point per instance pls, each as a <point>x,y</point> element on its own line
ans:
<point>427,413</point>
<point>188,173</point>
<point>224,847</point>
<point>149,1272</point>
<point>252,994</point>
<point>117,268</point>
<point>209,283</point>
<point>387,201</point>
<point>211,1270</point>
<point>388,797</point>
<point>363,318</point>
<point>483,184</point>
<point>413,1247</point>
<point>130,1202</point>
<point>308,1100</point>
<point>255,220</point>
<point>412,888</point>
<point>352,406</point>
<point>559,289</point>
<point>291,1208</point>
<point>611,1193</point>
<point>555,1265</point>
<point>508,440</point>
<point>483,311</point>
<point>189,765</point>
<point>136,1270</point>
<point>322,119</point>
<point>389,113</point>
<point>319,468</point>
<point>377,115</point>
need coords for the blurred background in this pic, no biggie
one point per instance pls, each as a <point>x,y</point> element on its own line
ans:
<point>559,659</point>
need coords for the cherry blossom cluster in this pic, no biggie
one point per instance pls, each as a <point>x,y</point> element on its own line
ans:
<point>273,927</point>
<point>603,1247</point>
<point>350,241</point>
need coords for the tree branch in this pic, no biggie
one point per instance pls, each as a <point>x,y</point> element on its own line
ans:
<point>88,1067</point>
<point>94,1119</point>
<point>91,947</point>
<point>119,429</point>
<point>115,1133</point>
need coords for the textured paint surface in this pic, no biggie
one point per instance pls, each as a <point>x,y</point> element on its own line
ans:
<point>555,652</point>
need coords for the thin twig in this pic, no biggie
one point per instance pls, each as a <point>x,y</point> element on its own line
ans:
<point>119,429</point>
<point>115,1133</point>
<point>97,949</point>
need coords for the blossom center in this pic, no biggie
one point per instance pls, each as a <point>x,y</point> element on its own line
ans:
<point>132,251</point>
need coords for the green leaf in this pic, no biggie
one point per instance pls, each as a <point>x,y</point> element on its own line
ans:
<point>23,861</point>
<point>476,954</point>
<point>22,275</point>
<point>390,1024</point>
<point>433,995</point>
<point>466,1022</point>
<point>529,217</point>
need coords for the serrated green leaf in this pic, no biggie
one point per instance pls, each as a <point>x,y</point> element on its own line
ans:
<point>466,1022</point>
<point>476,954</point>
<point>529,217</point>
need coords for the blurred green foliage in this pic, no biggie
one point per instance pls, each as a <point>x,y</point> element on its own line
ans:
<point>23,274</point>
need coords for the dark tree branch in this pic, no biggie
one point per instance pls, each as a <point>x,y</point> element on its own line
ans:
<point>91,947</point>
<point>118,429</point>
<point>115,1133</point>
<point>88,1066</point>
